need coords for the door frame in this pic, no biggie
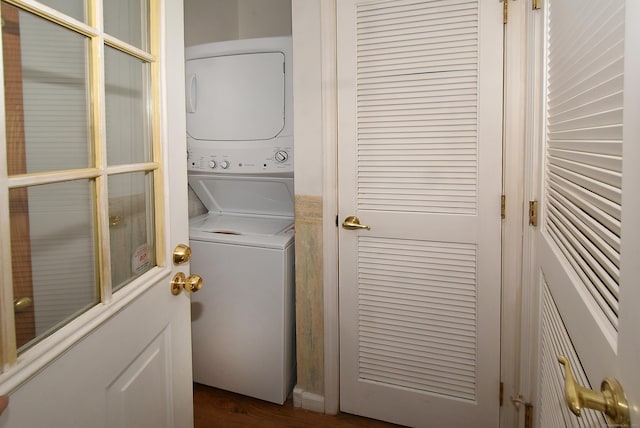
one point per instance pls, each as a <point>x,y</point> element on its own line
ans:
<point>515,223</point>
<point>329,94</point>
<point>534,131</point>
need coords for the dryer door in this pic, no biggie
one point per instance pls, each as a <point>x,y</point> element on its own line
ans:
<point>236,97</point>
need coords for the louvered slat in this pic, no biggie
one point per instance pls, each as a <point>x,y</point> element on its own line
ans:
<point>417,315</point>
<point>598,291</point>
<point>417,106</point>
<point>584,138</point>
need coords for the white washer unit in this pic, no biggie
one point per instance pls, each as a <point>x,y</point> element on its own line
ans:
<point>240,163</point>
<point>243,317</point>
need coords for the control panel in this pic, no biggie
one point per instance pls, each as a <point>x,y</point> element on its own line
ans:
<point>271,159</point>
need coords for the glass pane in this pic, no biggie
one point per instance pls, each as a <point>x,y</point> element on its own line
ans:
<point>46,94</point>
<point>54,263</point>
<point>131,226</point>
<point>128,100</point>
<point>74,8</point>
<point>128,20</point>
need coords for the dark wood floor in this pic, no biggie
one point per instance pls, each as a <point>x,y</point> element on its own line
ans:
<point>217,408</point>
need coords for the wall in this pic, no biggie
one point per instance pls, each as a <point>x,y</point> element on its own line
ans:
<point>217,20</point>
<point>260,18</point>
<point>307,112</point>
<point>209,21</point>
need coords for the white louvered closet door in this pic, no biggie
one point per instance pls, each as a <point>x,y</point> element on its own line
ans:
<point>420,125</point>
<point>589,237</point>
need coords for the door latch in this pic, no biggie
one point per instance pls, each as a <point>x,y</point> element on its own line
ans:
<point>533,213</point>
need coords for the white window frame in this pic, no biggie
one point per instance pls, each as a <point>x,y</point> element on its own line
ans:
<point>16,368</point>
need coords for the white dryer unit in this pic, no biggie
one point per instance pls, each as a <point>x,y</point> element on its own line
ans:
<point>239,106</point>
<point>243,318</point>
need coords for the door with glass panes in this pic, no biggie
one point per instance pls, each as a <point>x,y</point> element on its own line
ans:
<point>91,333</point>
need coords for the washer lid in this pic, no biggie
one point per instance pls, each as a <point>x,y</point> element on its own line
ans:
<point>245,195</point>
<point>234,225</point>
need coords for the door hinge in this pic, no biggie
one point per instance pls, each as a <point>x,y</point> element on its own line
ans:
<point>537,4</point>
<point>528,415</point>
<point>533,213</point>
<point>501,393</point>
<point>528,410</point>
<point>505,11</point>
<point>503,207</point>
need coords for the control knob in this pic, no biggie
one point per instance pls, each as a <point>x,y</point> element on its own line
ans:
<point>281,156</point>
<point>224,164</point>
<point>212,164</point>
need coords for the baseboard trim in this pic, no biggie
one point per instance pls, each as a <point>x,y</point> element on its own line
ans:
<point>308,400</point>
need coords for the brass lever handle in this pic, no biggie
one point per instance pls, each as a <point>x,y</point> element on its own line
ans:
<point>352,222</point>
<point>611,400</point>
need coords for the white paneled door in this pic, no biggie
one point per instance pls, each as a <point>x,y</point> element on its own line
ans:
<point>588,241</point>
<point>123,359</point>
<point>420,133</point>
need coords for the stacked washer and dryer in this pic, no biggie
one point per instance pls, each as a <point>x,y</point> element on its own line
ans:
<point>240,165</point>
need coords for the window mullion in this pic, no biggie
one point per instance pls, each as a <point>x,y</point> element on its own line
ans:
<point>98,122</point>
<point>52,15</point>
<point>8,347</point>
<point>158,175</point>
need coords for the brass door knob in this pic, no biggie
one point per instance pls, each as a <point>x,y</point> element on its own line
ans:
<point>352,223</point>
<point>611,400</point>
<point>22,304</point>
<point>181,254</point>
<point>180,281</point>
<point>115,220</point>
